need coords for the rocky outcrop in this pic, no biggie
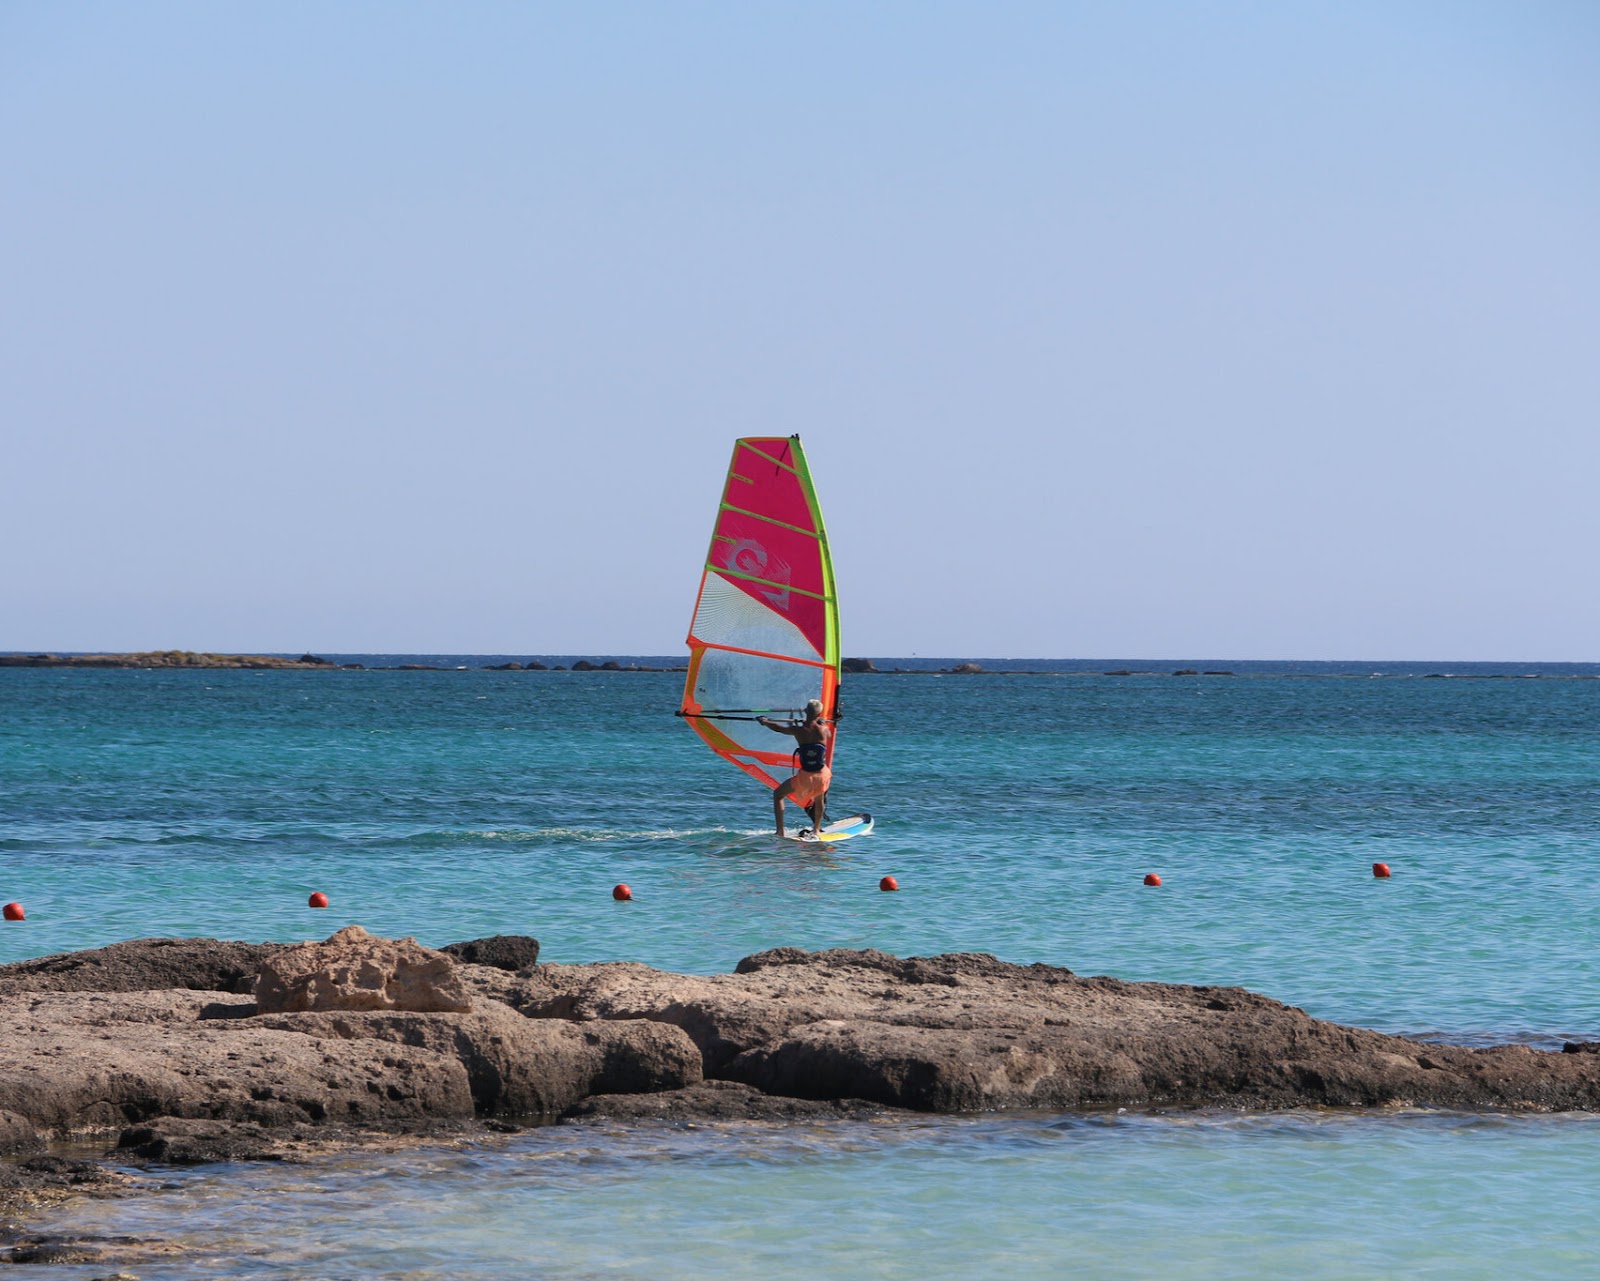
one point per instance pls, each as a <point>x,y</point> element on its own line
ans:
<point>388,1035</point>
<point>963,1032</point>
<point>857,665</point>
<point>355,971</point>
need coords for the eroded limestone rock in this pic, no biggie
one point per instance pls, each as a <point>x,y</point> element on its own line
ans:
<point>353,970</point>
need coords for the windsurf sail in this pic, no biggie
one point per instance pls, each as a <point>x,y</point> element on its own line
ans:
<point>764,639</point>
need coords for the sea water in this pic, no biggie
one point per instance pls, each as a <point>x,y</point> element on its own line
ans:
<point>1019,813</point>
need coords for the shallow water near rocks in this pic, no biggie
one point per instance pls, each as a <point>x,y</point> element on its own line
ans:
<point>1019,815</point>
<point>1307,1195</point>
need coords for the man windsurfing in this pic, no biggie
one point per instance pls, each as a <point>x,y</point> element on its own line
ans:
<point>808,785</point>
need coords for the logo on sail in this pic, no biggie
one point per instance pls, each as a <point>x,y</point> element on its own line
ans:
<point>750,557</point>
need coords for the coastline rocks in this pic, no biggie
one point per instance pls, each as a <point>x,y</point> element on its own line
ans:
<point>850,665</point>
<point>966,1031</point>
<point>381,1034</point>
<point>355,971</point>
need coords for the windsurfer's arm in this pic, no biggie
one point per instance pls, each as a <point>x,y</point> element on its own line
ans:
<point>777,727</point>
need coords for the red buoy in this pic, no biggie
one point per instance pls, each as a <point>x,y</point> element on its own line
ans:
<point>13,911</point>
<point>888,883</point>
<point>622,894</point>
<point>1380,870</point>
<point>319,899</point>
<point>1151,878</point>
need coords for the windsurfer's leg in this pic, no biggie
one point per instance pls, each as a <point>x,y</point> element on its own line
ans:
<point>778,793</point>
<point>818,810</point>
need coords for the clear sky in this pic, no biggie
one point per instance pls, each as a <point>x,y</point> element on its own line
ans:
<point>1248,330</point>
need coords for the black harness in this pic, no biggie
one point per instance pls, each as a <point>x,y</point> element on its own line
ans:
<point>813,756</point>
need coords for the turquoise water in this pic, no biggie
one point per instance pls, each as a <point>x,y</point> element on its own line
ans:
<point>1019,815</point>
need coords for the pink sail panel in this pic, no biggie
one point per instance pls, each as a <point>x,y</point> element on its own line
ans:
<point>761,482</point>
<point>765,553</point>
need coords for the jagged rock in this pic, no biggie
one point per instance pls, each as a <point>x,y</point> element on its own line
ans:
<point>355,971</point>
<point>857,665</point>
<point>502,951</point>
<point>532,666</point>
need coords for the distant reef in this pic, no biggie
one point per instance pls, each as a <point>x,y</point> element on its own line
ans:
<point>166,658</point>
<point>187,658</point>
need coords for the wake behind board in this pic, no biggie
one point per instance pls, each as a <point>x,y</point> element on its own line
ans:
<point>841,829</point>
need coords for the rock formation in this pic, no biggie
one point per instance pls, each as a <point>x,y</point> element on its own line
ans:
<point>354,971</point>
<point>162,1040</point>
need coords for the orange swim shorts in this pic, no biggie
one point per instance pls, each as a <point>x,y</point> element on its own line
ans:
<point>810,787</point>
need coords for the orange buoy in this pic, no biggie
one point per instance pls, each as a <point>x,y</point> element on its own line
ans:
<point>1152,879</point>
<point>319,899</point>
<point>1380,870</point>
<point>622,894</point>
<point>888,883</point>
<point>13,911</point>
